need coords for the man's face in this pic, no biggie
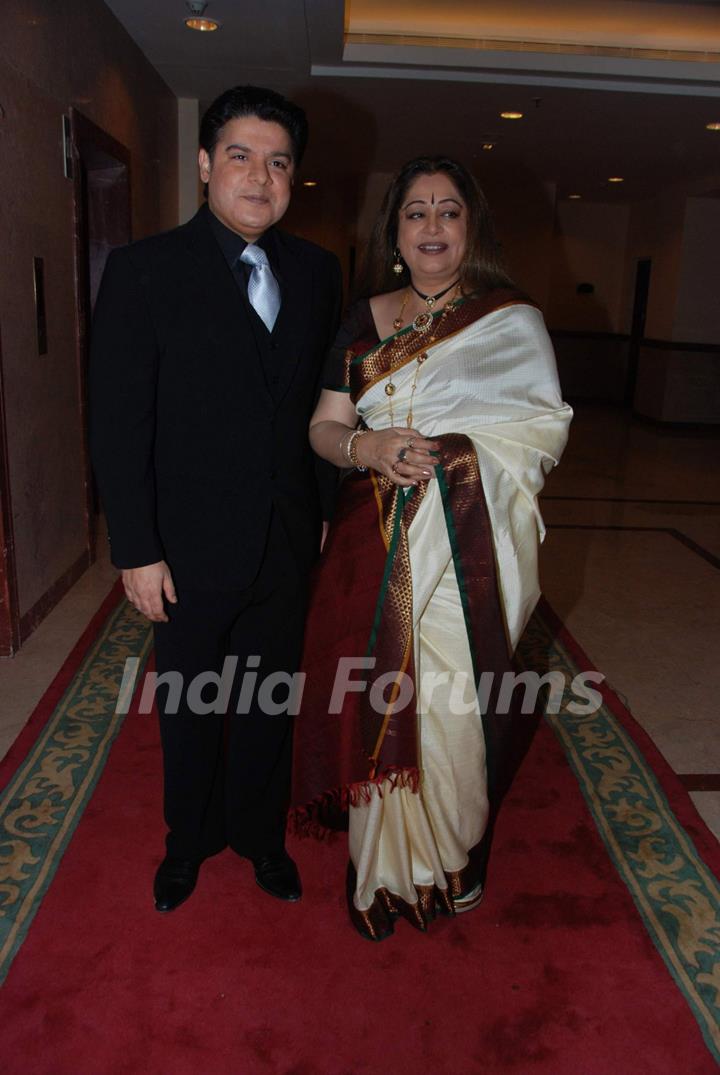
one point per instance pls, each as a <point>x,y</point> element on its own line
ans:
<point>250,175</point>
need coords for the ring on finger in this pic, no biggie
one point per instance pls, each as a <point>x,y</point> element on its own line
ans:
<point>394,468</point>
<point>401,455</point>
<point>410,442</point>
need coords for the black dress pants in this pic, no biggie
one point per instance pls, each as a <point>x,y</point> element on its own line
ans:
<point>227,773</point>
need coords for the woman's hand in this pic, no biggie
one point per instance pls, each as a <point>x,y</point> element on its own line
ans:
<point>402,455</point>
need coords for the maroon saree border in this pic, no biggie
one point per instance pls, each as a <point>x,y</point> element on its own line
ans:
<point>365,368</point>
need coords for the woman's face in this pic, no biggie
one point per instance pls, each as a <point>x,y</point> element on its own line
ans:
<point>432,229</point>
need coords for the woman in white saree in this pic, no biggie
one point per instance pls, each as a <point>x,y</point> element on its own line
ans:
<point>443,395</point>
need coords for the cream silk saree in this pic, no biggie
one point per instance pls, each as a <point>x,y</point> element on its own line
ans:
<point>434,587</point>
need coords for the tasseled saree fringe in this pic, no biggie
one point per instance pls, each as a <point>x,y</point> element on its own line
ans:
<point>323,815</point>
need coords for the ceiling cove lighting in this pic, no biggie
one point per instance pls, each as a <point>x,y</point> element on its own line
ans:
<point>511,115</point>
<point>616,179</point>
<point>196,21</point>
<point>712,126</point>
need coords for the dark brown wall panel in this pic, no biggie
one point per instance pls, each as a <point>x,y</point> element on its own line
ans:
<point>55,56</point>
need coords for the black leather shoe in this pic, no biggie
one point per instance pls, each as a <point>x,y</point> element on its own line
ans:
<point>174,882</point>
<point>278,875</point>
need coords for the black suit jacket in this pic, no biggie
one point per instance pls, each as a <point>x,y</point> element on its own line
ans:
<point>198,416</point>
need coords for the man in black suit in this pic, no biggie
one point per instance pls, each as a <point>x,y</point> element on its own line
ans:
<point>207,346</point>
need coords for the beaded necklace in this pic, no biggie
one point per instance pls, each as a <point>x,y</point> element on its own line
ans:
<point>425,318</point>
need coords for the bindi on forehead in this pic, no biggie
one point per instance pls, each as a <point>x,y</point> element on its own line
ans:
<point>432,198</point>
<point>433,201</point>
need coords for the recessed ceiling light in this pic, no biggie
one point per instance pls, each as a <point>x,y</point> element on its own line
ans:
<point>616,179</point>
<point>488,145</point>
<point>310,182</point>
<point>511,115</point>
<point>575,197</point>
<point>712,126</point>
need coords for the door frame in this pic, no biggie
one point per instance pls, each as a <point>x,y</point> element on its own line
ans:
<point>641,294</point>
<point>9,608</point>
<point>84,134</point>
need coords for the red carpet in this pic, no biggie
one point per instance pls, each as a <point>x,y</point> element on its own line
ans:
<point>554,974</point>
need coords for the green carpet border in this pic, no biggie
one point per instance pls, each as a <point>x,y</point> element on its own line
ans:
<point>43,802</point>
<point>677,897</point>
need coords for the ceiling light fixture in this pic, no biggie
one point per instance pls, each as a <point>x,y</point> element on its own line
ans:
<point>204,25</point>
<point>196,20</point>
<point>575,197</point>
<point>616,179</point>
<point>511,115</point>
<point>712,126</point>
<point>310,182</point>
<point>488,145</point>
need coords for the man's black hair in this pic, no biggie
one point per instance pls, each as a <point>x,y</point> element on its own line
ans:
<point>254,101</point>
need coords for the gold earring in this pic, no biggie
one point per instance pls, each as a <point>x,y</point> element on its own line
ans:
<point>398,267</point>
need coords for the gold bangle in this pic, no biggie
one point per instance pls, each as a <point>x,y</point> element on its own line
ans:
<point>351,448</point>
<point>342,446</point>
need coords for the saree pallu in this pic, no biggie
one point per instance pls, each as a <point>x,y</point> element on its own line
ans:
<point>418,594</point>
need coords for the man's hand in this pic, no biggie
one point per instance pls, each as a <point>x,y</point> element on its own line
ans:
<point>145,588</point>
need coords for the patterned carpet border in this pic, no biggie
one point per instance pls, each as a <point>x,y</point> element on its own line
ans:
<point>44,801</point>
<point>676,895</point>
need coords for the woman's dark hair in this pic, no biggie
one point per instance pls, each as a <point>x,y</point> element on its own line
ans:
<point>481,267</point>
<point>254,101</point>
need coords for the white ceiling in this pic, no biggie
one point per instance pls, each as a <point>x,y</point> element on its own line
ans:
<point>419,77</point>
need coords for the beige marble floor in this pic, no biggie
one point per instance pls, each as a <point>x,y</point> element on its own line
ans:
<point>630,512</point>
<point>631,564</point>
<point>25,677</point>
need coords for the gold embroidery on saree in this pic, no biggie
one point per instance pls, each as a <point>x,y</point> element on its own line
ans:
<point>364,371</point>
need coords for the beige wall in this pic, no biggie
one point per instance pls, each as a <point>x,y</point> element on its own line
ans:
<point>655,231</point>
<point>588,247</point>
<point>523,212</point>
<point>697,312</point>
<point>682,234</point>
<point>326,215</point>
<point>601,244</point>
<point>58,54</point>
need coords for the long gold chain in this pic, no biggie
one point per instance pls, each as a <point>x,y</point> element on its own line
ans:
<point>420,358</point>
<point>397,323</point>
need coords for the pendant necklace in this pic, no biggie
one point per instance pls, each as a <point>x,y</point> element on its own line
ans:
<point>424,319</point>
<point>420,358</point>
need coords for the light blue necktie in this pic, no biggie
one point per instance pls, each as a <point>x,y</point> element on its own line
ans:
<point>263,290</point>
